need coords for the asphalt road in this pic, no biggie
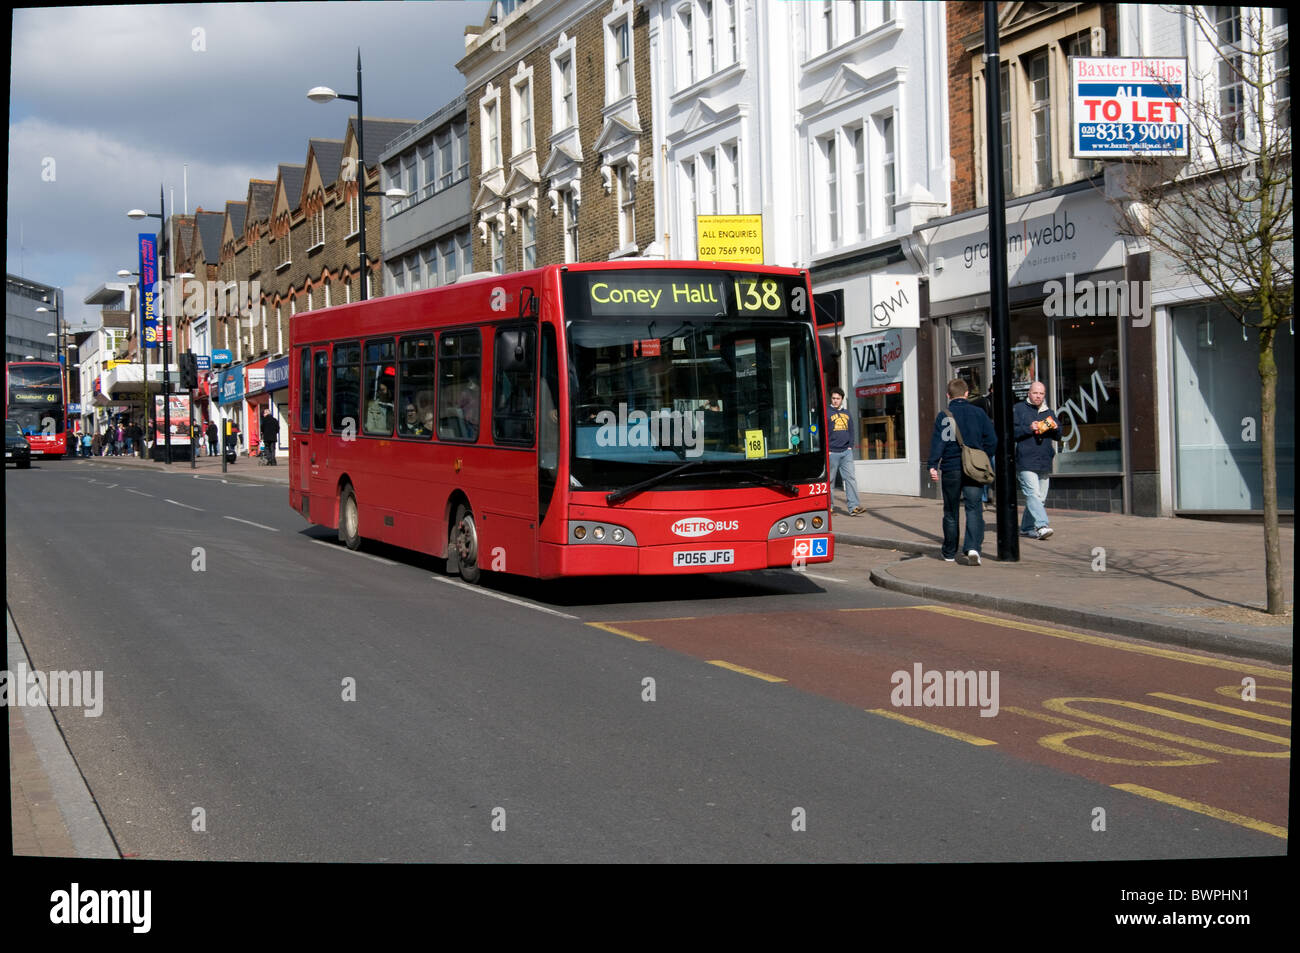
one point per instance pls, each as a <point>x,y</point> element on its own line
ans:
<point>269,695</point>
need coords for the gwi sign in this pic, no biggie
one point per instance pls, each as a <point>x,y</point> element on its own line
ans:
<point>1128,106</point>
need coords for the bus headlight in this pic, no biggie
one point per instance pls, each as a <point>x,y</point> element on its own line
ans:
<point>598,532</point>
<point>618,535</point>
<point>799,524</point>
<point>580,532</point>
<point>782,527</point>
<point>817,522</point>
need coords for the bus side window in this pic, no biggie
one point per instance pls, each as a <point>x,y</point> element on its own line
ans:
<point>304,389</point>
<point>416,380</point>
<point>321,388</point>
<point>459,394</point>
<point>513,385</point>
<point>347,388</point>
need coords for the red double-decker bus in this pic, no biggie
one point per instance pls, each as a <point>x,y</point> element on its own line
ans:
<point>585,419</point>
<point>35,400</point>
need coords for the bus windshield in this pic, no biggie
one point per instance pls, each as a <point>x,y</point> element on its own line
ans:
<point>655,383</point>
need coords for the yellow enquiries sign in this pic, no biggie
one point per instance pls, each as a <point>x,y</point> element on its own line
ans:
<point>729,238</point>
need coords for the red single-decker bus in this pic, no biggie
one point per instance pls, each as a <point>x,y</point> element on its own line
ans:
<point>590,419</point>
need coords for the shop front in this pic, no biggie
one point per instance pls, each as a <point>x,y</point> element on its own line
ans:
<point>868,315</point>
<point>256,402</point>
<point>1079,315</point>
<point>230,400</point>
<point>277,389</point>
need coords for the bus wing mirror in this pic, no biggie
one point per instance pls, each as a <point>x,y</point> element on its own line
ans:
<point>528,306</point>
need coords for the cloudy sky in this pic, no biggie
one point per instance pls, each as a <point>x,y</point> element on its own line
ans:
<point>107,103</point>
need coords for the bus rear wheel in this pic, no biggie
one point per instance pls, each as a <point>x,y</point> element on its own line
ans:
<point>349,521</point>
<point>464,543</point>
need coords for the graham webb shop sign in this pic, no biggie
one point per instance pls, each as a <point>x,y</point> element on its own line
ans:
<point>1046,238</point>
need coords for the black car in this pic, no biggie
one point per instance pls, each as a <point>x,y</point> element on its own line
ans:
<point>17,449</point>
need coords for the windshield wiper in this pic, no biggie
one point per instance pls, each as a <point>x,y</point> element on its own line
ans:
<point>618,496</point>
<point>784,486</point>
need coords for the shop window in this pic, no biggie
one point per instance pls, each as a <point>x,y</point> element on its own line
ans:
<point>1088,395</point>
<point>1217,413</point>
<point>876,367</point>
<point>1029,354</point>
<point>968,351</point>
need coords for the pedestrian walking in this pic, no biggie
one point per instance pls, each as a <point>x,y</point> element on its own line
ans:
<point>270,436</point>
<point>841,430</point>
<point>1035,431</point>
<point>212,438</point>
<point>985,403</point>
<point>945,461</point>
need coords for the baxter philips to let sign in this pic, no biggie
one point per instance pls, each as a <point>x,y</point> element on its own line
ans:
<point>1128,106</point>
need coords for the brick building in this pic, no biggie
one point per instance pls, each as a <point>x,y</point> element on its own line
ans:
<point>559,104</point>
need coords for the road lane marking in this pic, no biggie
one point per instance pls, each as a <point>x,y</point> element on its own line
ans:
<point>1062,705</point>
<point>1170,654</point>
<point>610,628</point>
<point>251,523</point>
<point>817,575</point>
<point>1234,692</point>
<point>882,608</point>
<point>745,671</point>
<point>937,729</point>
<point>186,505</point>
<point>112,486</point>
<point>139,493</point>
<point>1216,812</point>
<point>1057,743</point>
<point>1224,708</point>
<point>352,552</point>
<point>504,598</point>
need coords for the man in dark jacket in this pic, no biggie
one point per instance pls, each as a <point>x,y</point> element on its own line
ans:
<point>1035,429</point>
<point>270,436</point>
<point>945,469</point>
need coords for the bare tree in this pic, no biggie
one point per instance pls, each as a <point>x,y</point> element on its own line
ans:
<point>1224,215</point>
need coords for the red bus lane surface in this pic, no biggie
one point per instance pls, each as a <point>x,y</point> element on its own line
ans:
<point>1205,733</point>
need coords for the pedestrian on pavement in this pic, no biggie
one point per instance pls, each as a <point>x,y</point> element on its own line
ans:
<point>1035,429</point>
<point>841,430</point>
<point>985,403</point>
<point>85,443</point>
<point>946,469</point>
<point>270,436</point>
<point>120,443</point>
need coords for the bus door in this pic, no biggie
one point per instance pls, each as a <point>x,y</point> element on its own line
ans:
<point>509,533</point>
<point>313,441</point>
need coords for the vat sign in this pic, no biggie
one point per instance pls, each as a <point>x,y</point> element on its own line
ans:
<point>1128,106</point>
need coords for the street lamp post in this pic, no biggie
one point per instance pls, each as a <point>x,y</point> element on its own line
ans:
<point>323,94</point>
<point>161,215</point>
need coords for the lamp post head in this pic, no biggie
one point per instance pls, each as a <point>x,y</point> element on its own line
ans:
<point>125,274</point>
<point>137,213</point>
<point>321,94</point>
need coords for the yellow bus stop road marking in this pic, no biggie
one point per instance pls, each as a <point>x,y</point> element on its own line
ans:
<point>745,671</point>
<point>1171,654</point>
<point>1224,708</point>
<point>937,729</point>
<point>1216,812</point>
<point>610,628</point>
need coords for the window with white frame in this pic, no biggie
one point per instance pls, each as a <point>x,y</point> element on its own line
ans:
<point>491,117</point>
<point>318,225</point>
<point>731,153</point>
<point>279,330</point>
<point>255,253</point>
<point>710,182</point>
<point>618,57</point>
<point>569,209</point>
<point>626,207</point>
<point>826,146</point>
<point>686,38</point>
<point>1232,90</point>
<point>1004,92</point>
<point>1281,46</point>
<point>692,193</point>
<point>858,136</point>
<point>282,247</point>
<point>310,298</point>
<point>354,211</point>
<point>326,283</point>
<point>888,181</point>
<point>448,261</point>
<point>826,25</point>
<point>521,99</point>
<point>708,42</point>
<point>1040,111</point>
<point>528,239</point>
<point>729,11</point>
<point>498,249</point>
<point>397,277</point>
<point>564,96</point>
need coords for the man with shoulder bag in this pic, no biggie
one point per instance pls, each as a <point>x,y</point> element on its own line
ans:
<point>962,449</point>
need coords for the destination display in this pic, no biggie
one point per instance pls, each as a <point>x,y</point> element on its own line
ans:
<point>691,294</point>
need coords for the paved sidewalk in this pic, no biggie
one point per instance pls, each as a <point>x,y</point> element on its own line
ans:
<point>245,468</point>
<point>1181,581</point>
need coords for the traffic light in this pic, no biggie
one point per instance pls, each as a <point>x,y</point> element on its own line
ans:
<point>189,366</point>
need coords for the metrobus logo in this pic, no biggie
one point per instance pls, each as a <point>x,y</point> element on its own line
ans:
<point>693,526</point>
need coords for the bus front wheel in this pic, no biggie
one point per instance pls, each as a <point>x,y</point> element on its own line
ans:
<point>464,543</point>
<point>349,521</point>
